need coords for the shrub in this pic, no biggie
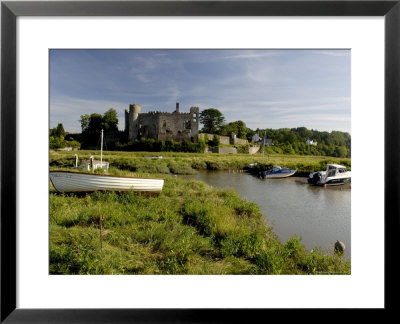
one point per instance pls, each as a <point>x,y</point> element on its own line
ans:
<point>243,149</point>
<point>151,145</point>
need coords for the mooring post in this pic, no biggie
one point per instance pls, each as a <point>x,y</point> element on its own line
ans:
<point>101,234</point>
<point>339,247</point>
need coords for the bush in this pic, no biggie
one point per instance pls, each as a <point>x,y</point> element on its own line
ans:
<point>214,142</point>
<point>60,142</point>
<point>151,145</point>
<point>243,149</point>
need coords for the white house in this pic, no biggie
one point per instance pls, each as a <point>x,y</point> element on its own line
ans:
<point>311,142</point>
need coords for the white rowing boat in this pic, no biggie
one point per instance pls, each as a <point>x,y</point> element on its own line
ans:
<point>68,181</point>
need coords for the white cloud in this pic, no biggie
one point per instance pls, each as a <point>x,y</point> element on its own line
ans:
<point>67,110</point>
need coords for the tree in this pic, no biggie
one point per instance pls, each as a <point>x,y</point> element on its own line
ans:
<point>212,120</point>
<point>341,151</point>
<point>95,124</point>
<point>85,119</point>
<point>110,120</point>
<point>60,132</point>
<point>53,132</point>
<point>238,127</point>
<point>91,127</point>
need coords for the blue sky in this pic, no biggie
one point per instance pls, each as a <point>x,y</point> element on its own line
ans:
<point>263,88</point>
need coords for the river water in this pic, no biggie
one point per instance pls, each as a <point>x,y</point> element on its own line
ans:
<point>318,215</point>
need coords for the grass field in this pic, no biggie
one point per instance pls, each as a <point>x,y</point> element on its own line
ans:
<point>188,163</point>
<point>190,228</point>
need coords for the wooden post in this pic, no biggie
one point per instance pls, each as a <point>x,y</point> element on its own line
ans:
<point>101,234</point>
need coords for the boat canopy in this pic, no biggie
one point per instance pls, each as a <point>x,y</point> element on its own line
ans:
<point>334,169</point>
<point>337,166</point>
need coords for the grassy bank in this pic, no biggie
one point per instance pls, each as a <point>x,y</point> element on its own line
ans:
<point>188,163</point>
<point>190,228</point>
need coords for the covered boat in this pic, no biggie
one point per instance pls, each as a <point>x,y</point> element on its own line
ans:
<point>277,172</point>
<point>69,181</point>
<point>335,174</point>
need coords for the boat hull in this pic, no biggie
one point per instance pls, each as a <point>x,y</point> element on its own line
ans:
<point>337,182</point>
<point>277,175</point>
<point>319,180</point>
<point>65,181</point>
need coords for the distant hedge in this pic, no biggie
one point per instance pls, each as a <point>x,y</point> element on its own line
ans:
<point>151,145</point>
<point>60,142</point>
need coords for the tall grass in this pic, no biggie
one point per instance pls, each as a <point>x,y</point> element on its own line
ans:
<point>190,228</point>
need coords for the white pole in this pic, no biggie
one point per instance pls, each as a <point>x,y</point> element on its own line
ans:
<point>101,150</point>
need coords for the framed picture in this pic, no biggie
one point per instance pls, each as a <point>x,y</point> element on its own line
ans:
<point>14,184</point>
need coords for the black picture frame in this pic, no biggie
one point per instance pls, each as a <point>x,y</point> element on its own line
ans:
<point>10,10</point>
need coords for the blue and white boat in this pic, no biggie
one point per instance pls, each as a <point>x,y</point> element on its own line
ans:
<point>277,172</point>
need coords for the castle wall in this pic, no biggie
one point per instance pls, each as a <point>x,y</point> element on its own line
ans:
<point>224,150</point>
<point>162,126</point>
<point>148,125</point>
<point>241,141</point>
<point>177,126</point>
<point>254,149</point>
<point>225,140</point>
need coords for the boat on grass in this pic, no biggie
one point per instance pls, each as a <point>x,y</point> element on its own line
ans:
<point>334,175</point>
<point>75,181</point>
<point>70,181</point>
<point>277,172</point>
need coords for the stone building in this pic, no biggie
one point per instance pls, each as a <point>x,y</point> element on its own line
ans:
<point>162,125</point>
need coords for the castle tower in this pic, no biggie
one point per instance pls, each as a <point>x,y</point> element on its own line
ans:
<point>134,111</point>
<point>194,112</point>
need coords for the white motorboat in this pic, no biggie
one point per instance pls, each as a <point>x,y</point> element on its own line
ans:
<point>335,174</point>
<point>69,181</point>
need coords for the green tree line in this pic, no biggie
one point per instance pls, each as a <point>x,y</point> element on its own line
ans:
<point>151,145</point>
<point>293,141</point>
<point>93,124</point>
<point>285,140</point>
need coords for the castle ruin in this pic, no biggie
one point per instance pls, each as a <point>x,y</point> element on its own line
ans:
<point>158,125</point>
